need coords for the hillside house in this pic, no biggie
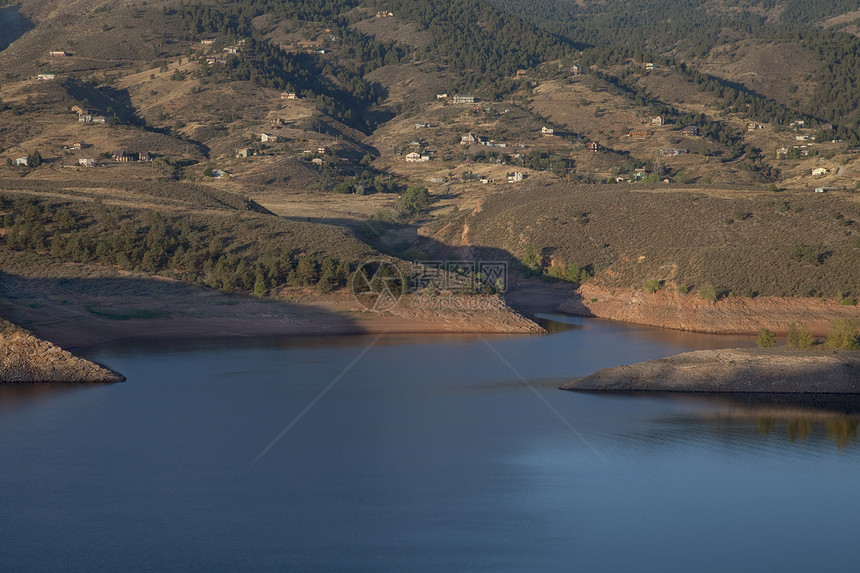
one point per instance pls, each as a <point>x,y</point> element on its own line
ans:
<point>58,53</point>
<point>592,146</point>
<point>464,99</point>
<point>85,118</point>
<point>649,66</point>
<point>672,152</point>
<point>79,110</point>
<point>753,126</point>
<point>288,95</point>
<point>21,161</point>
<point>521,73</point>
<point>78,145</point>
<point>639,173</point>
<point>547,131</point>
<point>86,162</point>
<point>125,156</point>
<point>690,131</point>
<point>384,14</point>
<point>657,120</point>
<point>207,41</point>
<point>46,77</point>
<point>516,176</point>
<point>231,50</point>
<point>423,125</point>
<point>416,157</point>
<point>244,152</point>
<point>442,96</point>
<point>268,138</point>
<point>820,171</point>
<point>468,139</point>
<point>99,119</point>
<point>640,133</point>
<point>801,137</point>
<point>575,70</point>
<point>213,61</point>
<point>322,149</point>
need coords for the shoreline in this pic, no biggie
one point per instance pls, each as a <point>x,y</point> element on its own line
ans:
<point>666,308</point>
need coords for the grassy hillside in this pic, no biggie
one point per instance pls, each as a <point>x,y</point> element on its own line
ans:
<point>741,242</point>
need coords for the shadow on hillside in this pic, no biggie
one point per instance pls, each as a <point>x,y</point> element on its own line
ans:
<point>13,25</point>
<point>81,311</point>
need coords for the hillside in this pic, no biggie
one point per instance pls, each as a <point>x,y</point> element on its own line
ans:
<point>259,147</point>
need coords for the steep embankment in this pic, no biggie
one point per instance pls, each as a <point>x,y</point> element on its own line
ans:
<point>25,358</point>
<point>668,309</point>
<point>733,370</point>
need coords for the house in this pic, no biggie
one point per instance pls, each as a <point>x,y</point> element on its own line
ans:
<point>468,139</point>
<point>415,143</point>
<point>690,131</point>
<point>639,173</point>
<point>515,176</point>
<point>77,145</point>
<point>821,189</point>
<point>650,66</point>
<point>144,157</point>
<point>465,99</point>
<point>322,150</point>
<point>125,156</point>
<point>657,120</point>
<point>79,110</point>
<point>85,118</point>
<point>21,161</point>
<point>86,162</point>
<point>753,126</point>
<point>521,73</point>
<point>46,77</point>
<point>207,42</point>
<point>640,133</point>
<point>384,14</point>
<point>231,50</point>
<point>99,119</point>
<point>672,152</point>
<point>268,138</point>
<point>592,146</point>
<point>801,137</point>
<point>415,157</point>
<point>422,125</point>
<point>442,96</point>
<point>288,95</point>
<point>58,53</point>
<point>244,152</point>
<point>213,61</point>
<point>547,131</point>
<point>819,171</point>
<point>575,70</point>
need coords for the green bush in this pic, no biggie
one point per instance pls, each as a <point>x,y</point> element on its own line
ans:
<point>766,338</point>
<point>843,335</point>
<point>708,292</point>
<point>799,336</point>
<point>652,285</point>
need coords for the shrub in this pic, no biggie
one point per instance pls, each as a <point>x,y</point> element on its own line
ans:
<point>799,336</point>
<point>708,292</point>
<point>843,335</point>
<point>652,285</point>
<point>531,258</point>
<point>766,338</point>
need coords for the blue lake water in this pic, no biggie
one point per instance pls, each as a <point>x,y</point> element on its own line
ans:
<point>401,453</point>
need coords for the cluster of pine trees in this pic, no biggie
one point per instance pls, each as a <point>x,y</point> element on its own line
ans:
<point>155,243</point>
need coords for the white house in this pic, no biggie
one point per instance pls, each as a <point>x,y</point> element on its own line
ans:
<point>21,161</point>
<point>416,157</point>
<point>515,176</point>
<point>267,138</point>
<point>86,162</point>
<point>818,171</point>
<point>547,131</point>
<point>46,77</point>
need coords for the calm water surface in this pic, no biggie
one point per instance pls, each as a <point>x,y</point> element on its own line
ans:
<point>419,454</point>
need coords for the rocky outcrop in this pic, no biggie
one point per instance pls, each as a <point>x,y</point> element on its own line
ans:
<point>734,370</point>
<point>668,309</point>
<point>25,358</point>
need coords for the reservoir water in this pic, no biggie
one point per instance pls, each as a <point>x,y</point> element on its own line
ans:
<point>400,453</point>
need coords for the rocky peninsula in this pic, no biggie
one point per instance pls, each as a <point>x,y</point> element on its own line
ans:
<point>25,358</point>
<point>771,370</point>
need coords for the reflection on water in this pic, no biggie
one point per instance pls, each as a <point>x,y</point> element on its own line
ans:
<point>798,418</point>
